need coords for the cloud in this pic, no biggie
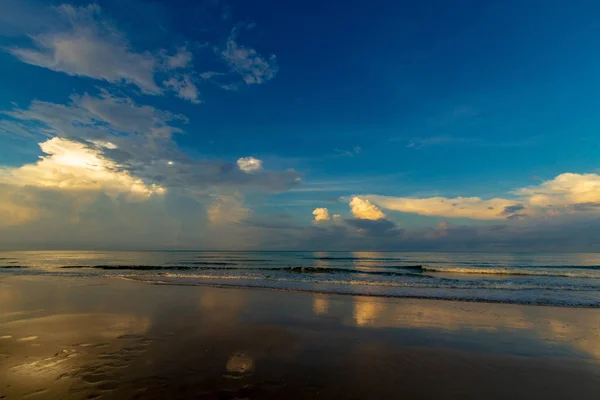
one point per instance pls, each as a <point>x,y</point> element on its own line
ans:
<point>227,209</point>
<point>421,142</point>
<point>143,144</point>
<point>565,189</point>
<point>181,59</point>
<point>15,208</point>
<point>458,207</point>
<point>93,48</point>
<point>364,209</point>
<point>374,227</point>
<point>568,192</point>
<point>321,214</point>
<point>563,233</point>
<point>249,164</point>
<point>356,150</point>
<point>253,68</point>
<point>69,165</point>
<point>184,87</point>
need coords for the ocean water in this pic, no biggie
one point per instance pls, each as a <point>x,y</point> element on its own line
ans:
<point>571,280</point>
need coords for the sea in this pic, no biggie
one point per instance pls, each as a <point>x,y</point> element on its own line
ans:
<point>568,280</point>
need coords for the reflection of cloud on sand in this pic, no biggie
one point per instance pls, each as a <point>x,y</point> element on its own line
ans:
<point>222,304</point>
<point>367,312</point>
<point>584,336</point>
<point>380,313</point>
<point>73,327</point>
<point>7,297</point>
<point>575,328</point>
<point>320,304</point>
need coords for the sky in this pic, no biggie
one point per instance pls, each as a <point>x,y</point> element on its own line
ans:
<point>300,125</point>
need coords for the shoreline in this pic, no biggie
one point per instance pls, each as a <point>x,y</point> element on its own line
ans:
<point>331,293</point>
<point>115,338</point>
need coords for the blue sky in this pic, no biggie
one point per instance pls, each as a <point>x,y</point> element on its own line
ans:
<point>214,124</point>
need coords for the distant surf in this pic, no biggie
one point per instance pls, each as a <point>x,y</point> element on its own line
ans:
<point>571,280</point>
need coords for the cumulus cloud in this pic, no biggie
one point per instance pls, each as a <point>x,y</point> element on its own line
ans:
<point>568,192</point>
<point>143,142</point>
<point>363,209</point>
<point>253,68</point>
<point>249,164</point>
<point>69,165</point>
<point>565,189</point>
<point>321,214</point>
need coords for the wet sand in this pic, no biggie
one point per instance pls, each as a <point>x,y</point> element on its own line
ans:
<point>85,338</point>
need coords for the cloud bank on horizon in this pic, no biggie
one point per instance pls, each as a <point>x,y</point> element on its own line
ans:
<point>221,133</point>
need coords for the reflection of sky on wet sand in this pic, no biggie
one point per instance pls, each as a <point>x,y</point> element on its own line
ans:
<point>320,304</point>
<point>573,328</point>
<point>42,352</point>
<point>366,313</point>
<point>91,339</point>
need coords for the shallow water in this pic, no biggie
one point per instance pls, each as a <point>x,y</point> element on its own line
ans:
<point>524,278</point>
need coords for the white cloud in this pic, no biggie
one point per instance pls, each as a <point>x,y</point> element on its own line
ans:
<point>321,214</point>
<point>363,209</point>
<point>72,166</point>
<point>184,87</point>
<point>253,68</point>
<point>466,207</point>
<point>141,144</point>
<point>249,164</point>
<point>568,192</point>
<point>337,217</point>
<point>92,48</point>
<point>565,189</point>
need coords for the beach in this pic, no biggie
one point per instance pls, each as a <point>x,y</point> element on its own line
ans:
<point>94,337</point>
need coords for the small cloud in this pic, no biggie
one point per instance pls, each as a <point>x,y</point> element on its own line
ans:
<point>184,87</point>
<point>364,209</point>
<point>337,217</point>
<point>210,74</point>
<point>321,214</point>
<point>348,153</point>
<point>254,68</point>
<point>249,164</point>
<point>181,59</point>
